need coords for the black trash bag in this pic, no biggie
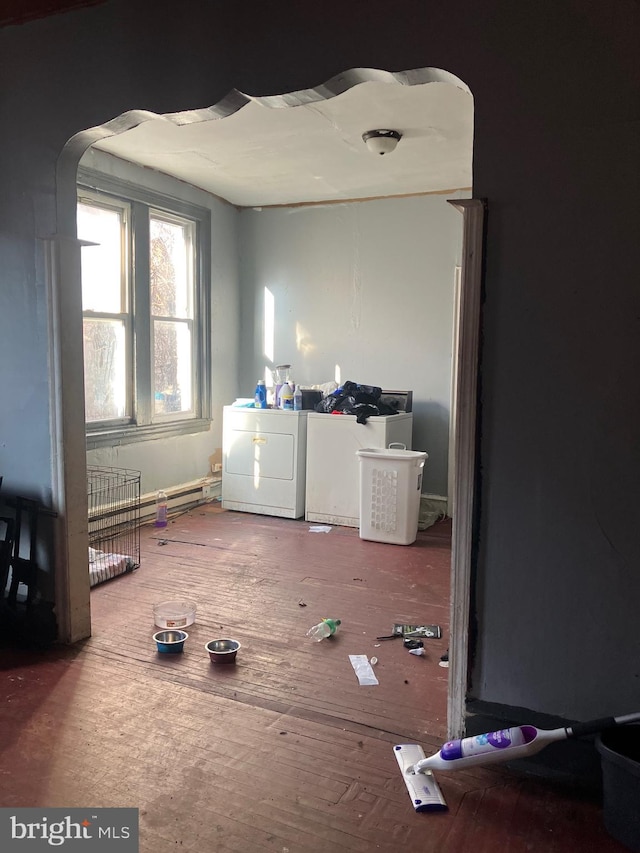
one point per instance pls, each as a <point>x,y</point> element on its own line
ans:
<point>348,396</point>
<point>362,411</point>
<point>355,399</point>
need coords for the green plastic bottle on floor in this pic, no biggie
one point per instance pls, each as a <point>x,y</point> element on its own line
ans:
<point>326,628</point>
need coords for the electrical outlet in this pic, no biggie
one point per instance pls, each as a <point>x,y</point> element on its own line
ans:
<point>216,467</point>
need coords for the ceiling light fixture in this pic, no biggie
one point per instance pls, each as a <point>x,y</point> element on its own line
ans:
<point>381,141</point>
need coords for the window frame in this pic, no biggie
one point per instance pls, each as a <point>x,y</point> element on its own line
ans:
<point>125,316</point>
<point>142,202</point>
<point>190,322</point>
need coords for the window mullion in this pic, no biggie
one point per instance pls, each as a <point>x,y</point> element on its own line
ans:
<point>203,327</point>
<point>143,403</point>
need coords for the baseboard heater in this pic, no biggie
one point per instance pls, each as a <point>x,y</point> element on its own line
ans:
<point>183,497</point>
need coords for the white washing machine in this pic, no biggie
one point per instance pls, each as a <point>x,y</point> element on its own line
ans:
<point>263,461</point>
<point>333,472</point>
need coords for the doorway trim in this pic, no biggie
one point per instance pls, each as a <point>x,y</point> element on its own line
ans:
<point>465,431</point>
<point>451,491</point>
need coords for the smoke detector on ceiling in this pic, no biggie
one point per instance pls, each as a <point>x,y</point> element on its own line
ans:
<point>381,141</point>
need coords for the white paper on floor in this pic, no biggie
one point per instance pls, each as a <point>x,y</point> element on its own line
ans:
<point>363,670</point>
<point>319,528</point>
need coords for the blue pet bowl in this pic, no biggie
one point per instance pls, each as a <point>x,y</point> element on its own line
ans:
<point>170,642</point>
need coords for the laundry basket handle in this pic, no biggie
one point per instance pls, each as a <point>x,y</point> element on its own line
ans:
<point>397,444</point>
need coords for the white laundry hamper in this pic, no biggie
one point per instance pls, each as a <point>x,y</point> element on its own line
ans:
<point>390,488</point>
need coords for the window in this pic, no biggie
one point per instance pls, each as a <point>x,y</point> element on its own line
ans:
<point>145,263</point>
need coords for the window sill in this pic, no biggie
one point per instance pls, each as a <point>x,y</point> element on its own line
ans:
<point>153,432</point>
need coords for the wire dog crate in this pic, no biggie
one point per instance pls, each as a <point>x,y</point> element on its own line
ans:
<point>114,522</point>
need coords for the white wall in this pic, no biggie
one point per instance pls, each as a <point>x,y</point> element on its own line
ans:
<point>365,287</point>
<point>169,462</point>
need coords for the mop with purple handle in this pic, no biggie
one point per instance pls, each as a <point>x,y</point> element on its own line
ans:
<point>492,747</point>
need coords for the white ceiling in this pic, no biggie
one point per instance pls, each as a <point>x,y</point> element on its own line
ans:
<point>307,146</point>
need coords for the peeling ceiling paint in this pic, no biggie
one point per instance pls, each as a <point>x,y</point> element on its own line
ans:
<point>306,146</point>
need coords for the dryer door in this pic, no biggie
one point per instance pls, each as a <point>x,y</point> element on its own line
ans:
<point>261,455</point>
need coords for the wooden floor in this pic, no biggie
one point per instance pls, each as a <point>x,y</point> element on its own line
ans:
<point>283,751</point>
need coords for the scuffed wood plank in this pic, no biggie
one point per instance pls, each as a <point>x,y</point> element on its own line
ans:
<point>283,750</point>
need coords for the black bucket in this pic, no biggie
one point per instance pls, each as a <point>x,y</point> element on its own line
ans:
<point>619,750</point>
<point>310,398</point>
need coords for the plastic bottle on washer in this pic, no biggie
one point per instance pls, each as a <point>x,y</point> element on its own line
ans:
<point>286,397</point>
<point>261,395</point>
<point>297,399</point>
<point>281,375</point>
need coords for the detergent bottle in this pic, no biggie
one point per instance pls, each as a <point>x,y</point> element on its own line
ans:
<point>286,397</point>
<point>261,395</point>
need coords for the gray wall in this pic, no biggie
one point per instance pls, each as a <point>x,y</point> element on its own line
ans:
<point>366,286</point>
<point>555,86</point>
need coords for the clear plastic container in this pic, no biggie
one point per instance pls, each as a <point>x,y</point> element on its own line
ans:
<point>281,374</point>
<point>161,509</point>
<point>174,614</point>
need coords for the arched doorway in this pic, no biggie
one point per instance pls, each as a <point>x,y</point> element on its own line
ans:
<point>71,582</point>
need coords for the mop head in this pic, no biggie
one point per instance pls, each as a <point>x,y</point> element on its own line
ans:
<point>423,789</point>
